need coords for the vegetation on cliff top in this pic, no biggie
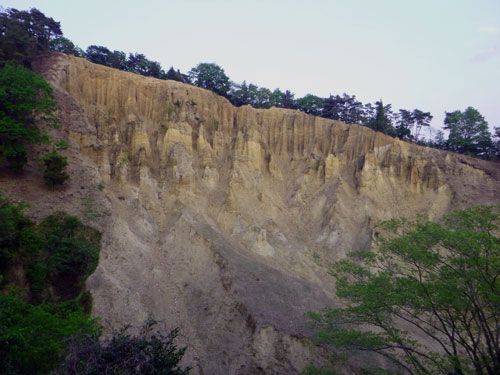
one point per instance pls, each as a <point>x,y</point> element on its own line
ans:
<point>27,105</point>
<point>439,282</point>
<point>35,33</point>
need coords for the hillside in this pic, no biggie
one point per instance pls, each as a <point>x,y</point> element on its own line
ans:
<point>221,220</point>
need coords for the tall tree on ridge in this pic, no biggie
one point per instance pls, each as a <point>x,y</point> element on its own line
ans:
<point>469,133</point>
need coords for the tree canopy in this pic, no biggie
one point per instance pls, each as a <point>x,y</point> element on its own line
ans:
<point>23,34</point>
<point>26,105</point>
<point>210,76</point>
<point>438,281</point>
<point>469,133</point>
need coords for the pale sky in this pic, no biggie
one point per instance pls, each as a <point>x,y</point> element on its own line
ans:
<point>434,55</point>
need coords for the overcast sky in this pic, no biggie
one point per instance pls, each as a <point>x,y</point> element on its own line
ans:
<point>434,55</point>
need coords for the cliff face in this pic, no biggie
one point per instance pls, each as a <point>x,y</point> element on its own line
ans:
<point>220,220</point>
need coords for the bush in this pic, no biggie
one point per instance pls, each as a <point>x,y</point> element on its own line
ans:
<point>32,338</point>
<point>54,173</point>
<point>124,354</point>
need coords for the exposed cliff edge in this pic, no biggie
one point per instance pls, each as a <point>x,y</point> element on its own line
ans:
<point>220,220</point>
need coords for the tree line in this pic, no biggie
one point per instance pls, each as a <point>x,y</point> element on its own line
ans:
<point>467,131</point>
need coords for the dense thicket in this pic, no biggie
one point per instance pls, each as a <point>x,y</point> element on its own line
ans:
<point>54,257</point>
<point>46,324</point>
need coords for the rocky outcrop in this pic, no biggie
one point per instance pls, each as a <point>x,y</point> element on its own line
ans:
<point>221,220</point>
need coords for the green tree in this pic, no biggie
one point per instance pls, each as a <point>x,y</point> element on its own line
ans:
<point>23,34</point>
<point>496,143</point>
<point>211,77</point>
<point>243,94</point>
<point>405,122</point>
<point>64,45</point>
<point>118,60</point>
<point>288,100</point>
<point>139,64</point>
<point>381,121</point>
<point>175,75</point>
<point>310,104</point>
<point>26,103</point>
<point>440,281</point>
<point>343,108</point>
<point>99,55</point>
<point>263,98</point>
<point>422,119</point>
<point>469,132</point>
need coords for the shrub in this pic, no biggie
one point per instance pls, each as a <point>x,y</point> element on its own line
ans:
<point>32,338</point>
<point>54,173</point>
<point>124,354</point>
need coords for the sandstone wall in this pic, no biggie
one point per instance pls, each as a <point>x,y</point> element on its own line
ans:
<point>221,220</point>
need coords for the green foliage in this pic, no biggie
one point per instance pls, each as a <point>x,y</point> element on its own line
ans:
<point>32,338</point>
<point>26,103</point>
<point>56,256</point>
<point>59,252</point>
<point>64,45</point>
<point>244,94</point>
<point>345,108</point>
<point>440,281</point>
<point>496,144</point>
<point>310,104</point>
<point>54,171</point>
<point>139,64</point>
<point>15,230</point>
<point>61,145</point>
<point>124,354</point>
<point>469,133</point>
<point>407,120</point>
<point>381,122</point>
<point>71,247</point>
<point>24,34</point>
<point>135,63</point>
<point>210,76</point>
<point>216,124</point>
<point>175,75</point>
